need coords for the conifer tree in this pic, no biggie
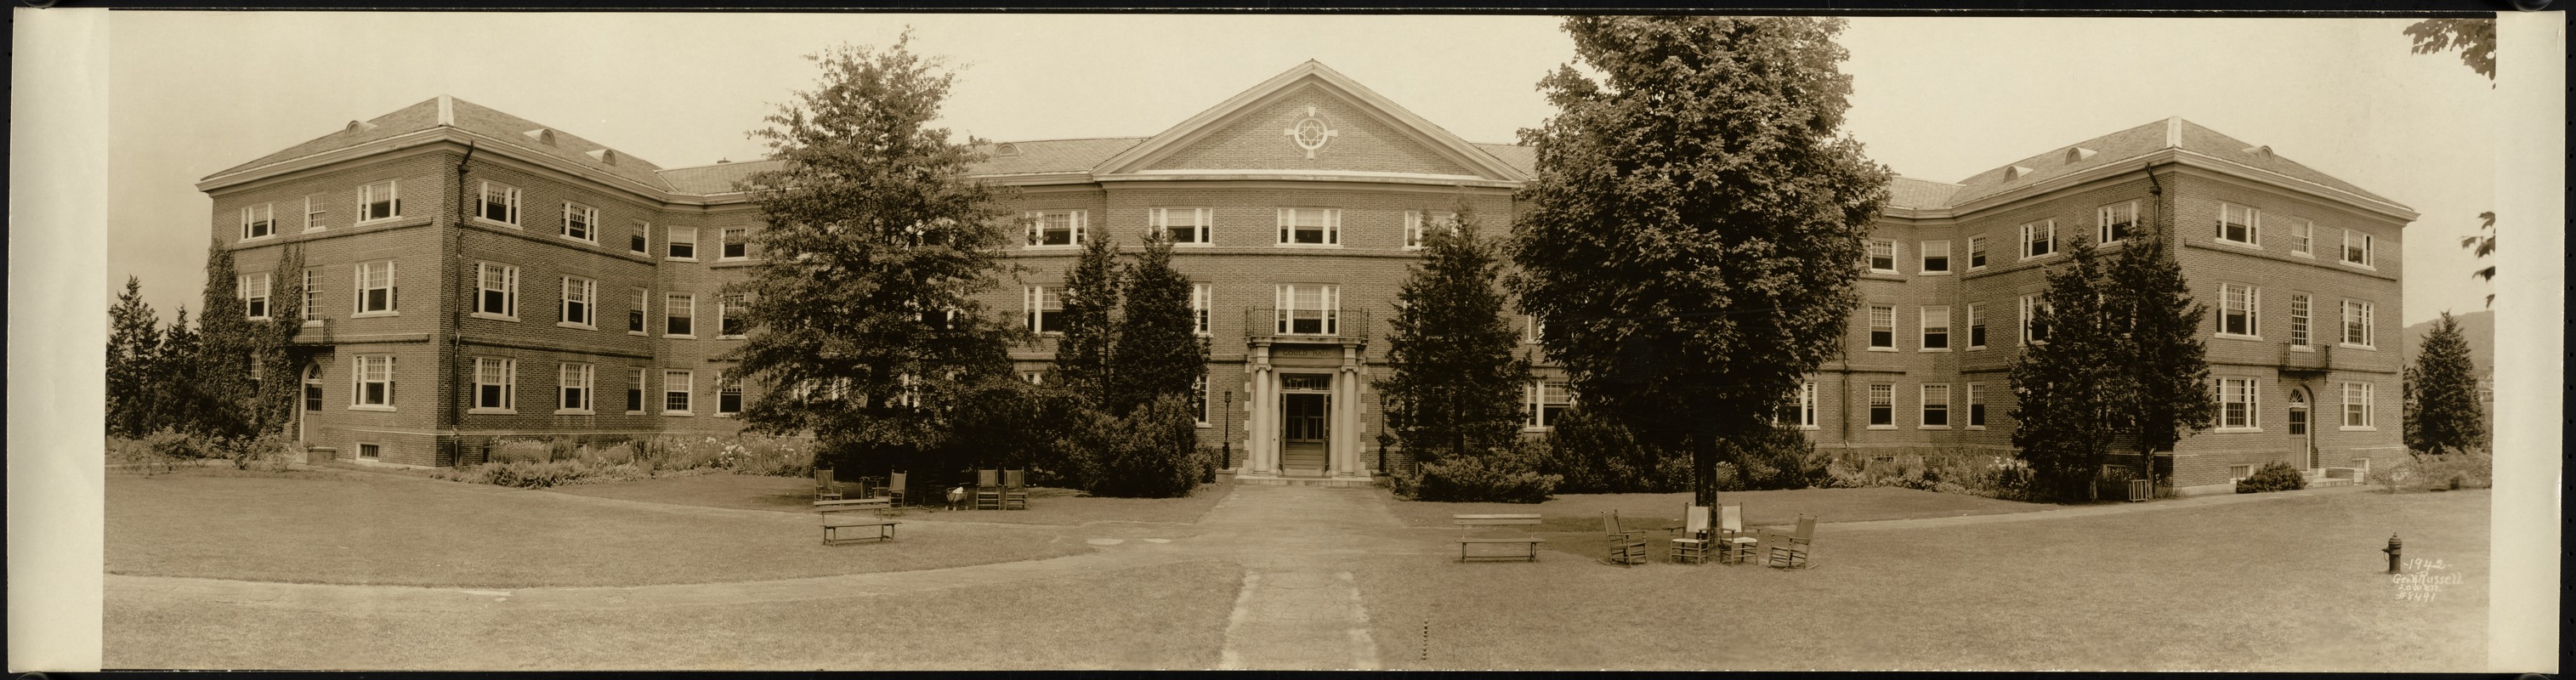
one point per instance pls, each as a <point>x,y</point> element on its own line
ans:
<point>1454,384</point>
<point>2157,338</point>
<point>133,349</point>
<point>2062,384</point>
<point>222,391</point>
<point>2443,386</point>
<point>1090,295</point>
<point>1158,351</point>
<point>175,397</point>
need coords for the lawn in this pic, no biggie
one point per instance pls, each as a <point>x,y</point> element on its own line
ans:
<point>1048,506</point>
<point>1167,616</point>
<point>1582,512</point>
<point>391,529</point>
<point>2287,584</point>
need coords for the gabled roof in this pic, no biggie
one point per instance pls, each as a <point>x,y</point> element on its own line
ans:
<point>413,118</point>
<point>1477,160</point>
<point>524,135</point>
<point>2133,143</point>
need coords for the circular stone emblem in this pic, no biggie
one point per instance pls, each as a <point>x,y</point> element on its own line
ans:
<point>1311,132</point>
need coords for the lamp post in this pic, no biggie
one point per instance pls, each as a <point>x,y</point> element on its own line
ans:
<point>1227,439</point>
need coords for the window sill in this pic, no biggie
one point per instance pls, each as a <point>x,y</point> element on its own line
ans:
<point>729,337</point>
<point>1977,268</point>
<point>577,239</point>
<point>1325,246</point>
<point>726,415</point>
<point>634,413</point>
<point>1882,427</point>
<point>2357,265</point>
<point>312,230</point>
<point>2302,348</point>
<point>675,258</point>
<point>247,239</point>
<point>1977,427</point>
<point>1931,427</point>
<point>2239,244</point>
<point>575,412</point>
<point>1411,248</point>
<point>1193,244</point>
<point>371,407</point>
<point>494,317</point>
<point>680,414</point>
<point>376,221</point>
<point>2309,255</point>
<point>1810,428</point>
<point>495,223</point>
<point>674,336</point>
<point>1977,348</point>
<point>492,411</point>
<point>737,258</point>
<point>1056,246</point>
<point>636,333</point>
<point>310,323</point>
<point>569,324</point>
<point>2237,430</point>
<point>370,315</point>
<point>1941,350</point>
<point>1886,272</point>
<point>2041,256</point>
<point>1944,272</point>
<point>638,253</point>
<point>1536,428</point>
<point>2234,336</point>
<point>2357,428</point>
<point>258,318</point>
<point>1882,349</point>
<point>2348,345</point>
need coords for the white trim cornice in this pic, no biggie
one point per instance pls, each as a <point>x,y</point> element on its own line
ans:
<point>2176,157</point>
<point>1312,72</point>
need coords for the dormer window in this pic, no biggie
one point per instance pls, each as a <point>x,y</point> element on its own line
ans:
<point>541,136</point>
<point>1006,149</point>
<point>2016,172</point>
<point>604,156</point>
<point>2078,154</point>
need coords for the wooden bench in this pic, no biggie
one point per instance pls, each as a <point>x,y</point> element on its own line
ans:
<point>848,504</point>
<point>832,527</point>
<point>1468,523</point>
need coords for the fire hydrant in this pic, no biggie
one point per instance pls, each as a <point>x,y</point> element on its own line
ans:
<point>2395,549</point>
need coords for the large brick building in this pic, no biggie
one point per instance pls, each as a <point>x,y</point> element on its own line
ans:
<point>559,287</point>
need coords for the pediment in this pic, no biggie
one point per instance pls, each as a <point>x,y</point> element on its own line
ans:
<point>1310,120</point>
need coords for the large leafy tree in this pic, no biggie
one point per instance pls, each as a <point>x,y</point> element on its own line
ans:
<point>133,348</point>
<point>1453,385</point>
<point>1091,290</point>
<point>2157,341</point>
<point>2474,38</point>
<point>1696,222</point>
<point>222,397</point>
<point>864,326</point>
<point>2065,385</point>
<point>1158,351</point>
<point>2481,246</point>
<point>175,368</point>
<point>2442,390</point>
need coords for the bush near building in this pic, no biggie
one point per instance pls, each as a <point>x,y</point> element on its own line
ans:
<point>2274,476</point>
<point>1503,475</point>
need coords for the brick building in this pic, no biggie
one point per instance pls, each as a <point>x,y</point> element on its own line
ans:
<point>562,288</point>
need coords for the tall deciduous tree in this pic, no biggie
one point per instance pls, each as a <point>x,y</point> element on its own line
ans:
<point>2481,246</point>
<point>1090,296</point>
<point>2474,38</point>
<point>1158,351</point>
<point>1696,222</point>
<point>2064,384</point>
<point>2156,339</point>
<point>2444,391</point>
<point>224,396</point>
<point>863,324</point>
<point>1454,385</point>
<point>133,351</point>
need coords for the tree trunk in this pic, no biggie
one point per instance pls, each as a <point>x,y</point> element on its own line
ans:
<point>1704,471</point>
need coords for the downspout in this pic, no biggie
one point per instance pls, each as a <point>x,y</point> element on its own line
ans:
<point>451,257</point>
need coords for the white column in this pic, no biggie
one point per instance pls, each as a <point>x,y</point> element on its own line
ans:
<point>1261,429</point>
<point>1346,415</point>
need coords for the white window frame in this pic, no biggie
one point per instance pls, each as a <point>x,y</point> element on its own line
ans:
<point>2040,232</point>
<point>1976,326</point>
<point>1924,251</point>
<point>680,237</point>
<point>2235,299</point>
<point>253,290</point>
<point>1930,318</point>
<point>576,389</point>
<point>1327,308</point>
<point>679,306</point>
<point>484,272</point>
<point>1976,253</point>
<point>635,392</point>
<point>313,210</point>
<point>641,242</point>
<point>726,305</point>
<point>2030,305</point>
<point>2116,213</point>
<point>1077,223</point>
<point>726,241</point>
<point>367,200</point>
<point>1201,224</point>
<point>1807,405</point>
<point>1332,227</point>
<point>2253,223</point>
<point>1976,406</point>
<point>737,394</point>
<point>1537,396</point>
<point>586,217</point>
<point>2302,323</point>
<point>686,381</point>
<point>259,221</point>
<point>312,311</point>
<point>1202,299</point>
<point>1882,320</point>
<point>2235,391</point>
<point>1037,304</point>
<point>1875,391</point>
<point>1416,236</point>
<point>363,368</point>
<point>2359,402</point>
<point>393,299</point>
<point>1533,329</point>
<point>2360,315</point>
<point>1924,410</point>
<point>1199,388</point>
<point>639,319</point>
<point>2368,250</point>
<point>582,292</point>
<point>488,370</point>
<point>2303,238</point>
<point>510,202</point>
<point>1890,255</point>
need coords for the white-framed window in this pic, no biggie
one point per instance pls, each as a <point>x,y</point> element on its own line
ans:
<point>681,244</point>
<point>259,221</point>
<point>1976,406</point>
<point>494,380</point>
<point>2038,239</point>
<point>2299,320</point>
<point>1547,401</point>
<point>733,315</point>
<point>2357,406</point>
<point>1976,326</point>
<point>580,302</point>
<point>498,203</point>
<point>1882,256</point>
<point>733,243</point>
<point>2357,326</point>
<point>313,388</point>
<point>2239,224</point>
<point>313,209</point>
<point>1533,329</point>
<point>379,201</point>
<point>1976,253</point>
<point>1044,308</point>
<point>2356,247</point>
<point>1882,327</point>
<point>637,303</point>
<point>2239,404</point>
<point>635,392</point>
<point>496,291</point>
<point>2116,221</point>
<point>1199,399</point>
<point>1414,233</point>
<point>1936,328</point>
<point>1201,298</point>
<point>728,401</point>
<point>1309,309</point>
<point>371,383</point>
<point>1807,404</point>
<point>1186,226</point>
<point>1310,226</point>
<point>312,311</point>
<point>640,241</point>
<point>1936,256</point>
<point>376,288</point>
<point>2303,237</point>
<point>1882,406</point>
<point>580,222</point>
<point>2033,332</point>
<point>1936,407</point>
<point>1056,227</point>
<point>253,291</point>
<point>676,386</point>
<point>680,315</point>
<point>575,380</point>
<point>2239,310</point>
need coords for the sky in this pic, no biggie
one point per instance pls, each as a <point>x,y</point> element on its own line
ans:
<point>192,93</point>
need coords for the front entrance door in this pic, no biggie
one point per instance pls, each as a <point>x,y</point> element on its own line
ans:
<point>1305,409</point>
<point>2299,427</point>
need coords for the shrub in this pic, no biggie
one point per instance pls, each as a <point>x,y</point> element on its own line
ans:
<point>175,445</point>
<point>1152,453</point>
<point>2274,476</point>
<point>137,455</point>
<point>1506,475</point>
<point>519,451</point>
<point>1595,454</point>
<point>2468,469</point>
<point>267,452</point>
<point>1779,457</point>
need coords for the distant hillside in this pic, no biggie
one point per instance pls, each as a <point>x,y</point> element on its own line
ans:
<point>2478,327</point>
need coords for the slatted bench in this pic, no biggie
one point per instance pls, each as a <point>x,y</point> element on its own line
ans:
<point>832,526</point>
<point>844,505</point>
<point>1467,523</point>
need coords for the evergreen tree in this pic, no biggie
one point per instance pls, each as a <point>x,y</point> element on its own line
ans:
<point>2443,385</point>
<point>1453,384</point>
<point>863,325</point>
<point>175,397</point>
<point>2157,338</point>
<point>133,349</point>
<point>1696,223</point>
<point>2063,383</point>
<point>223,395</point>
<point>1158,351</point>
<point>1090,296</point>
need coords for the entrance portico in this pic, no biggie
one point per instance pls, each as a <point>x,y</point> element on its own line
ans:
<point>1304,411</point>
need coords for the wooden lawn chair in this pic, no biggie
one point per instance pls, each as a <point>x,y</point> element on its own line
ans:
<point>1015,490</point>
<point>1626,547</point>
<point>1790,550</point>
<point>1692,542</point>
<point>1734,544</point>
<point>988,489</point>
<point>825,487</point>
<point>895,489</point>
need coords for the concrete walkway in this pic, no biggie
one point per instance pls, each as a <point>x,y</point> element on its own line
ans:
<point>1300,608</point>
